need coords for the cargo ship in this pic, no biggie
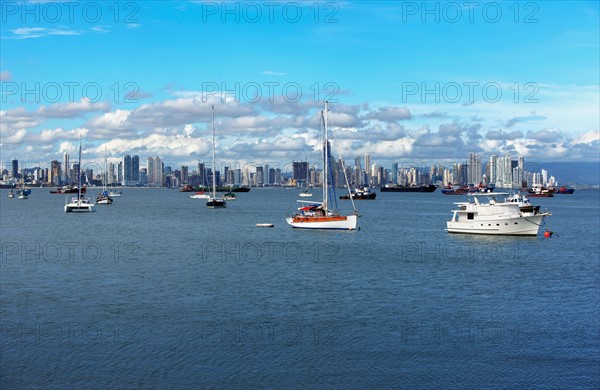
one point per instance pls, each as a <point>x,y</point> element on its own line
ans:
<point>399,188</point>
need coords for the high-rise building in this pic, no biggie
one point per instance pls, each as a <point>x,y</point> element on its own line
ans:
<point>368,168</point>
<point>184,174</point>
<point>55,173</point>
<point>300,171</point>
<point>259,176</point>
<point>155,172</point>
<point>65,164</point>
<point>395,173</point>
<point>111,173</point>
<point>15,168</point>
<point>492,169</point>
<point>474,169</point>
<point>202,175</point>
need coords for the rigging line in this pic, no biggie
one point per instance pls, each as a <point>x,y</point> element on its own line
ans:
<point>344,169</point>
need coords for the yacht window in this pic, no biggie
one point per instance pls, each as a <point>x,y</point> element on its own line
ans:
<point>469,215</point>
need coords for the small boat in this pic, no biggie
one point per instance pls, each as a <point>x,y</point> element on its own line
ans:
<point>79,204</point>
<point>494,217</point>
<point>213,202</point>
<point>200,195</point>
<point>306,193</point>
<point>361,193</point>
<point>11,194</point>
<point>264,225</point>
<point>115,193</point>
<point>104,196</point>
<point>23,193</point>
<point>229,196</point>
<point>186,188</point>
<point>321,215</point>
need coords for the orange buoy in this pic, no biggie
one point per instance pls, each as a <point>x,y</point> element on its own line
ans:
<point>547,233</point>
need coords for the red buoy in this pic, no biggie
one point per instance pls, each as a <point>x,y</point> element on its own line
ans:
<point>547,233</point>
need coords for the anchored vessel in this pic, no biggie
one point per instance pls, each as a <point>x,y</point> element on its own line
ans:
<point>104,197</point>
<point>494,217</point>
<point>319,215</point>
<point>213,202</point>
<point>361,193</point>
<point>399,188</point>
<point>79,204</point>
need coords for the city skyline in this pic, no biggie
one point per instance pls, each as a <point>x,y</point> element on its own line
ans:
<point>414,81</point>
<point>502,171</point>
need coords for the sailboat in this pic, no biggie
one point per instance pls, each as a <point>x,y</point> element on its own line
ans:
<point>306,193</point>
<point>114,193</point>
<point>23,194</point>
<point>104,196</point>
<point>79,204</point>
<point>230,195</point>
<point>321,215</point>
<point>213,202</point>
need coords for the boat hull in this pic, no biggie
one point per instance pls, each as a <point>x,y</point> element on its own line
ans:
<point>429,188</point>
<point>215,203</point>
<point>370,196</point>
<point>79,208</point>
<point>340,222</point>
<point>514,226</point>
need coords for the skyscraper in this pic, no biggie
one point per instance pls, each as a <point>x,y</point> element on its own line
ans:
<point>300,171</point>
<point>184,174</point>
<point>395,173</point>
<point>155,172</point>
<point>368,168</point>
<point>474,169</point>
<point>151,168</point>
<point>65,164</point>
<point>15,168</point>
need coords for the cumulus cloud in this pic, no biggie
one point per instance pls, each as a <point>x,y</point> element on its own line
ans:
<point>546,135</point>
<point>390,114</point>
<point>501,135</point>
<point>522,119</point>
<point>71,109</point>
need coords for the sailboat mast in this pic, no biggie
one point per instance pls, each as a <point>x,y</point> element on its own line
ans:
<point>79,174</point>
<point>325,161</point>
<point>105,170</point>
<point>214,173</point>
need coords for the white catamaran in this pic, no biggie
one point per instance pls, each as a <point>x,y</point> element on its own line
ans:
<point>79,204</point>
<point>321,215</point>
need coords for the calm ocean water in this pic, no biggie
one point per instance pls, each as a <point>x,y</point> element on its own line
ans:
<point>156,291</point>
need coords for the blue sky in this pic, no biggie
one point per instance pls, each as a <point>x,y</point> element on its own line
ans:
<point>409,81</point>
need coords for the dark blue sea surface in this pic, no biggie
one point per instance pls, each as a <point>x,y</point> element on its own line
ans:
<point>157,291</point>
